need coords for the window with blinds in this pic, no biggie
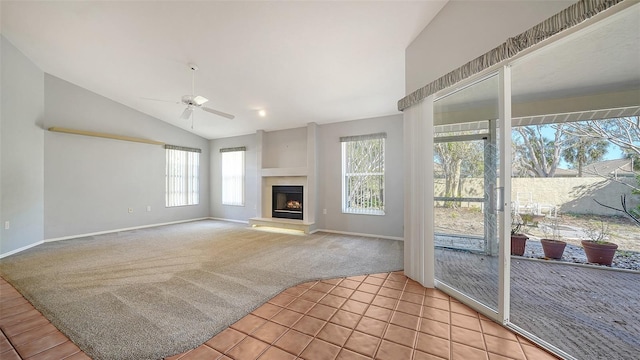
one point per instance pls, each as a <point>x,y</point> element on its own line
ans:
<point>233,176</point>
<point>182,176</point>
<point>363,174</point>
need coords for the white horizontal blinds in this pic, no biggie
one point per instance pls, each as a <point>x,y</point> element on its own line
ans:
<point>233,175</point>
<point>363,173</point>
<point>182,176</point>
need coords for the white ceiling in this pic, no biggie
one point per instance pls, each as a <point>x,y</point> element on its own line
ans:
<point>301,61</point>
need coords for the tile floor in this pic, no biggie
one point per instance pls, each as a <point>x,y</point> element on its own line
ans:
<point>26,334</point>
<point>379,316</point>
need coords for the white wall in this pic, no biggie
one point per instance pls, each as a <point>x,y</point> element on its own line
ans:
<point>329,174</point>
<point>329,178</point>
<point>252,180</point>
<point>285,148</point>
<point>21,150</point>
<point>91,182</point>
<point>464,30</point>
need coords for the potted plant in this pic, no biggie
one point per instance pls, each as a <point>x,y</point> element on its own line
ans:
<point>597,248</point>
<point>518,239</point>
<point>552,246</point>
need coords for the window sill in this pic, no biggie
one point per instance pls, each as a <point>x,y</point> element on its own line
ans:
<point>375,213</point>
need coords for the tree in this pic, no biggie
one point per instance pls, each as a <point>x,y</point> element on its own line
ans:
<point>364,174</point>
<point>540,155</point>
<point>580,151</point>
<point>456,159</point>
<point>624,132</point>
<point>635,160</point>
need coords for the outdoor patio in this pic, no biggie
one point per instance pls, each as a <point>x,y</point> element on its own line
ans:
<point>589,312</point>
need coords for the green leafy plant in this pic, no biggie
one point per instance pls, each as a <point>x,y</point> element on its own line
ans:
<point>527,219</point>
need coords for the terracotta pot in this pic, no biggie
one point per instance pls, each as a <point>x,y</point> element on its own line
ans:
<point>518,242</point>
<point>553,249</point>
<point>599,253</point>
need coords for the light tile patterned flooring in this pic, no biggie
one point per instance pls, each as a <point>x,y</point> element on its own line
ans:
<point>26,334</point>
<point>383,316</point>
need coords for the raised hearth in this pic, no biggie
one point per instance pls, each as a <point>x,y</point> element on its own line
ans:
<point>303,226</point>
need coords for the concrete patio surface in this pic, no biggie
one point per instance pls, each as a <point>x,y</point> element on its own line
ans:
<point>589,312</point>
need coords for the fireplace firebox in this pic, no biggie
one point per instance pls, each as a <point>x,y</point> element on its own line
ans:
<point>287,202</point>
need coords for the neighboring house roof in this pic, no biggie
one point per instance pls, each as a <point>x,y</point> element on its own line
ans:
<point>616,167</point>
<point>560,172</point>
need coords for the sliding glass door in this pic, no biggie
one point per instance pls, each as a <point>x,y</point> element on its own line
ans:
<point>467,194</point>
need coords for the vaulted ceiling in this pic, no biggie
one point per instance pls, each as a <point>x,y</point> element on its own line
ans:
<point>299,61</point>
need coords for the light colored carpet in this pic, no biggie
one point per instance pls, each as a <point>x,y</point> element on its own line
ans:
<point>151,293</point>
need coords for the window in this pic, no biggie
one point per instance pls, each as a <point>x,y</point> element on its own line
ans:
<point>182,176</point>
<point>233,176</point>
<point>363,174</point>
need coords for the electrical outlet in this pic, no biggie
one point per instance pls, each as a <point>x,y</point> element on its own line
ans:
<point>130,210</point>
<point>148,207</point>
<point>7,225</point>
<point>324,211</point>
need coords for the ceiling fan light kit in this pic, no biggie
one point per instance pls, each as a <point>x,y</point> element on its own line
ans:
<point>194,100</point>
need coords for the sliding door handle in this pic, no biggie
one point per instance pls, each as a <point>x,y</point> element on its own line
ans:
<point>500,198</point>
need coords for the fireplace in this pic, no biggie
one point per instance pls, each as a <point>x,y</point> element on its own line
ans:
<point>287,202</point>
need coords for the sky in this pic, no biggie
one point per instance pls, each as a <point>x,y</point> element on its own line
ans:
<point>613,152</point>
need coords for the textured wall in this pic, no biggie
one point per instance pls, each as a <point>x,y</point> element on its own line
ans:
<point>22,150</point>
<point>330,177</point>
<point>241,213</point>
<point>464,30</point>
<point>91,182</point>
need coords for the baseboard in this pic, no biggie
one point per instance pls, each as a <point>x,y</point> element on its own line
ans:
<point>20,249</point>
<point>361,234</point>
<point>123,229</point>
<point>230,220</point>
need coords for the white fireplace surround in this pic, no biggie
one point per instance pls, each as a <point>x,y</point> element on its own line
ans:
<point>267,193</point>
<point>300,171</point>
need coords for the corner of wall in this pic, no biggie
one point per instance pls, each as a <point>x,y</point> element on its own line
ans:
<point>21,150</point>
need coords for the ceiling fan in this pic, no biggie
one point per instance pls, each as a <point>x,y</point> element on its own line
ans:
<point>194,101</point>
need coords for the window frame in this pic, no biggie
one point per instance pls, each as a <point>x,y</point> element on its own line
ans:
<point>346,209</point>
<point>182,183</point>
<point>242,174</point>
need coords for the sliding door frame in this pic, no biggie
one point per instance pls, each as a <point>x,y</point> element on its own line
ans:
<point>501,193</point>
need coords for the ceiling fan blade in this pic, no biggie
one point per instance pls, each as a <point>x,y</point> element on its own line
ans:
<point>160,100</point>
<point>220,113</point>
<point>186,114</point>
